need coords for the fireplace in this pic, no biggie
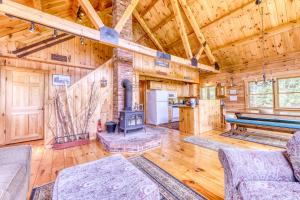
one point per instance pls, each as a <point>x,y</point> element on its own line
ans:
<point>130,120</point>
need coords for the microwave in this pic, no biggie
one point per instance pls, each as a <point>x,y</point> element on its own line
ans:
<point>172,95</point>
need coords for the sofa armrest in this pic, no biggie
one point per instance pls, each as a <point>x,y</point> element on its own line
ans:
<point>251,165</point>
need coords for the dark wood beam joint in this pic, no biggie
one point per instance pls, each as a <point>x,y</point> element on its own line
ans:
<point>217,66</point>
<point>204,44</point>
<point>109,35</point>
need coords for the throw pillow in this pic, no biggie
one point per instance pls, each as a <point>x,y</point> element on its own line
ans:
<point>293,151</point>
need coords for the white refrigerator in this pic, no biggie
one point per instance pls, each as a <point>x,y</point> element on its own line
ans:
<point>157,107</point>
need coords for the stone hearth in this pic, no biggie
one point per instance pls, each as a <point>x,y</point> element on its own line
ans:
<point>135,142</point>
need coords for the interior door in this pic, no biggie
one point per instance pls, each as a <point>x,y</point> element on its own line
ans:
<point>24,106</point>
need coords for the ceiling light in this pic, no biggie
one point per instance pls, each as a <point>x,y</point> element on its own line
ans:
<point>55,33</point>
<point>32,27</point>
<point>81,40</point>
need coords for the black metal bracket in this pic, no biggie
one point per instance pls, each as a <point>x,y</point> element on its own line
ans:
<point>217,66</point>
<point>194,62</point>
<point>109,35</point>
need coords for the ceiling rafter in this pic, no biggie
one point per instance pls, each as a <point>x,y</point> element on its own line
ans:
<point>147,30</point>
<point>191,18</point>
<point>199,53</point>
<point>91,13</point>
<point>127,13</point>
<point>257,36</point>
<point>148,8</point>
<point>29,14</point>
<point>182,29</point>
<point>247,5</point>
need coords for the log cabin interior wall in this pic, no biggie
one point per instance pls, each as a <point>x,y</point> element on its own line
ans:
<point>286,65</point>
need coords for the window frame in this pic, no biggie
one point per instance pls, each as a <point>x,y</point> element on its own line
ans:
<point>247,96</point>
<point>207,92</point>
<point>277,94</point>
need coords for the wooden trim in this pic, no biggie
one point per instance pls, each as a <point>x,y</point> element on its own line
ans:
<point>147,30</point>
<point>146,74</point>
<point>191,18</point>
<point>127,13</point>
<point>2,105</point>
<point>23,69</point>
<point>181,28</point>
<point>30,14</point>
<point>91,13</point>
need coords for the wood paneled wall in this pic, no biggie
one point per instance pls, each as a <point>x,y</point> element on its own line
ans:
<point>146,66</point>
<point>83,60</point>
<point>282,65</point>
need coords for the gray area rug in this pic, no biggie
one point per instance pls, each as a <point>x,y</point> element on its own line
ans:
<point>270,139</point>
<point>170,187</point>
<point>207,143</point>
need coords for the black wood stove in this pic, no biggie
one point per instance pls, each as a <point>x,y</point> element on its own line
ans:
<point>130,120</point>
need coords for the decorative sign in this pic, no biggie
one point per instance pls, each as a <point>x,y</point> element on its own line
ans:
<point>61,80</point>
<point>232,98</point>
<point>161,63</point>
<point>232,92</point>
<point>58,57</point>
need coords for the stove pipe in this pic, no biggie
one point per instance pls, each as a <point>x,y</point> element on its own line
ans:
<point>128,94</point>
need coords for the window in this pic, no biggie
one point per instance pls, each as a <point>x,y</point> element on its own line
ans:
<point>289,92</point>
<point>260,94</point>
<point>208,92</point>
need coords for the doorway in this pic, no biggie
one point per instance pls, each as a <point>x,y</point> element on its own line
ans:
<point>24,105</point>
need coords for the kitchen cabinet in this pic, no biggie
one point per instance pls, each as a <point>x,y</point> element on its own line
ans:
<point>188,120</point>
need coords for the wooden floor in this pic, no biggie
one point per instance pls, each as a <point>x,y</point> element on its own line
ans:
<point>197,167</point>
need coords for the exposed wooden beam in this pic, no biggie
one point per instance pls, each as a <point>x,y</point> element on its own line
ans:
<point>147,30</point>
<point>148,8</point>
<point>191,18</point>
<point>45,46</point>
<point>257,36</point>
<point>181,28</point>
<point>91,13</point>
<point>17,51</point>
<point>127,13</point>
<point>199,53</point>
<point>51,21</point>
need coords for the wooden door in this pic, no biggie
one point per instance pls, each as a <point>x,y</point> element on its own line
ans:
<point>24,106</point>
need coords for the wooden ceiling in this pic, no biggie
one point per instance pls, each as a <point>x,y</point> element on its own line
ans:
<point>231,28</point>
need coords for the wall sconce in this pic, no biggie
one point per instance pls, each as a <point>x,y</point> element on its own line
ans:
<point>103,82</point>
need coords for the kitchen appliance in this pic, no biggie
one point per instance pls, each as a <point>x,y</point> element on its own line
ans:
<point>175,114</point>
<point>157,107</point>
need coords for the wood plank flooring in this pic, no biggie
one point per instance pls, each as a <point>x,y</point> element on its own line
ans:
<point>197,167</point>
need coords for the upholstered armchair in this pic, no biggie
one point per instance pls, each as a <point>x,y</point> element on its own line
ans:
<point>262,175</point>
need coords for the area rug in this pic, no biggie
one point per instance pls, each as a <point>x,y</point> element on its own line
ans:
<point>171,125</point>
<point>261,138</point>
<point>170,187</point>
<point>207,143</point>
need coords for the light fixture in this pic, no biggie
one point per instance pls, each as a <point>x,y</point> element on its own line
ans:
<point>265,81</point>
<point>32,27</point>
<point>55,33</point>
<point>81,40</point>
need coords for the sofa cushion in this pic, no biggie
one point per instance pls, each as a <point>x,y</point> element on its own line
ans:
<point>293,152</point>
<point>12,176</point>
<point>269,190</point>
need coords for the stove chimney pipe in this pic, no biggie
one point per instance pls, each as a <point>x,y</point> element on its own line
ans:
<point>128,94</point>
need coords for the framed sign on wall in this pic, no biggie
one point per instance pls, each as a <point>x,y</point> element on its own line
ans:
<point>61,80</point>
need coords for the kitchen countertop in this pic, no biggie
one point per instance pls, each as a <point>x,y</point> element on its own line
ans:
<point>183,106</point>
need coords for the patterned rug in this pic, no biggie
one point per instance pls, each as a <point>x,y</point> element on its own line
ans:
<point>207,143</point>
<point>276,140</point>
<point>171,125</point>
<point>170,187</point>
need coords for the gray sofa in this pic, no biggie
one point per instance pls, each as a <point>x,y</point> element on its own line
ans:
<point>262,175</point>
<point>14,172</point>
